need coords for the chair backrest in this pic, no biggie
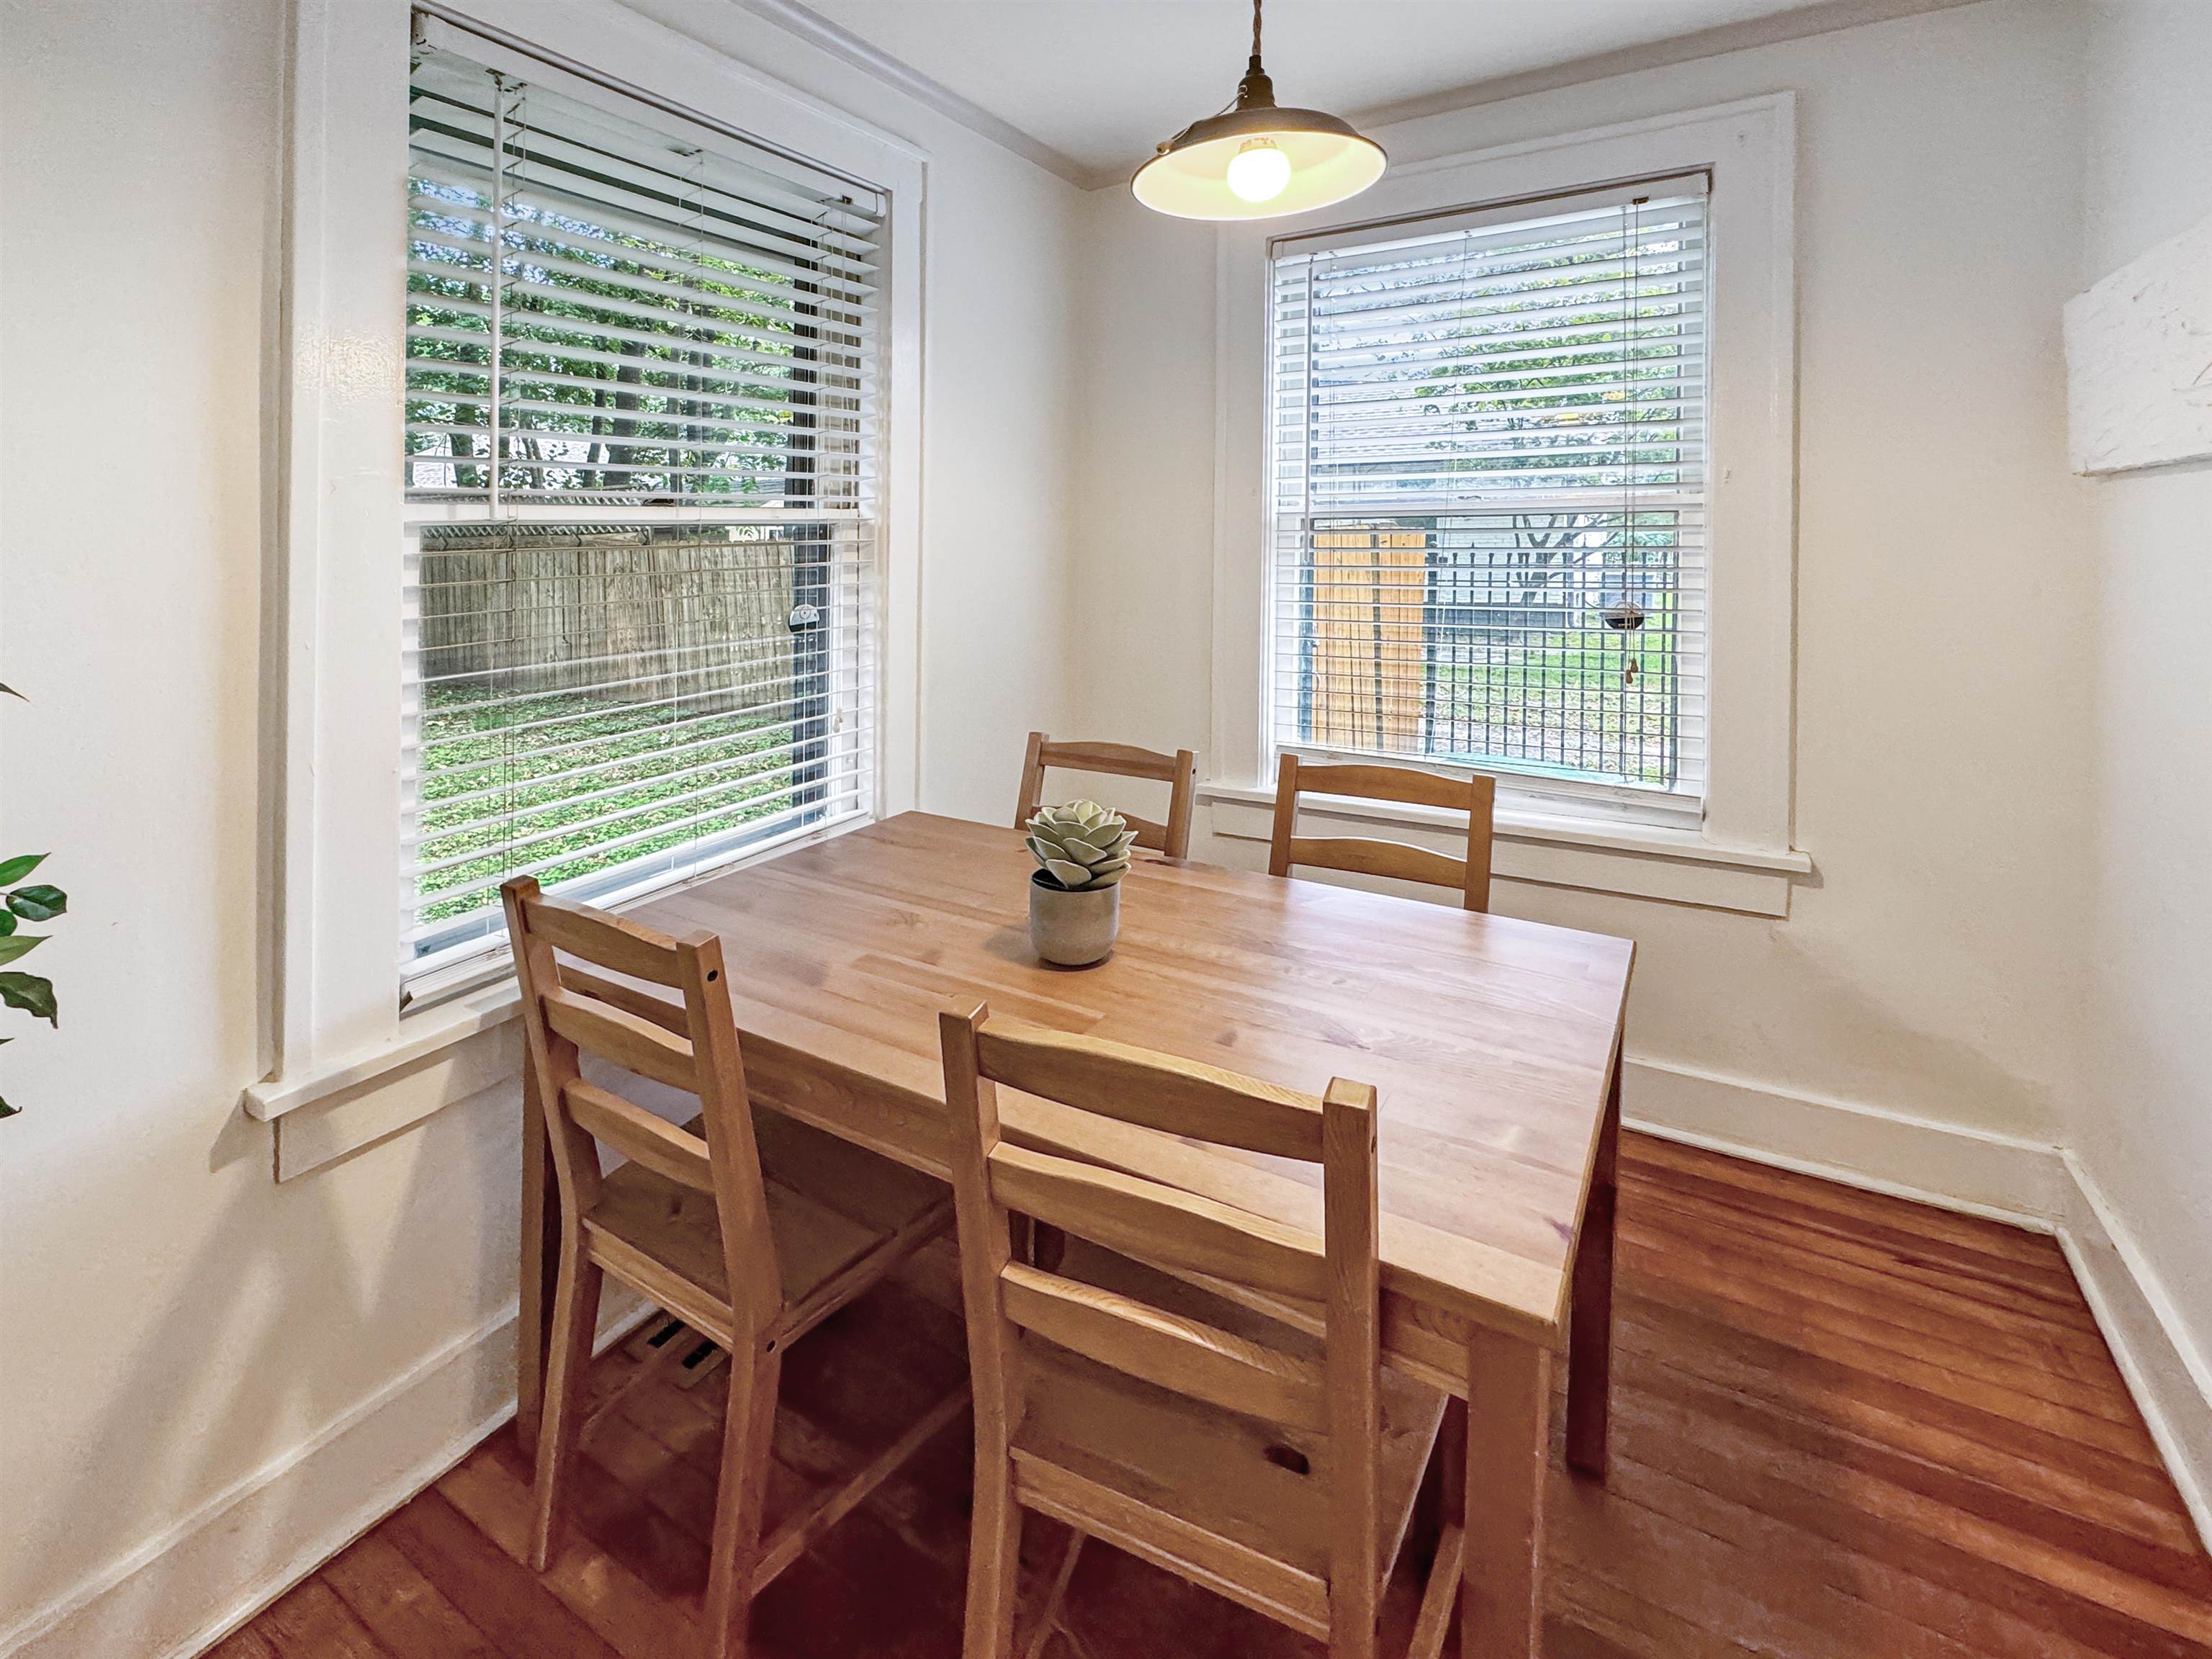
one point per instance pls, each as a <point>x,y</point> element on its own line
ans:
<point>1179,771</point>
<point>1476,796</point>
<point>1168,1228</point>
<point>692,1045</point>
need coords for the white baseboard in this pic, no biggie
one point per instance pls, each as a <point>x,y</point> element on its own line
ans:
<point>2171,1380</point>
<point>2002,1177</point>
<point>183,1590</point>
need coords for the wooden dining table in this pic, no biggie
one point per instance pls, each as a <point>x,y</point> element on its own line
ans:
<point>1494,1044</point>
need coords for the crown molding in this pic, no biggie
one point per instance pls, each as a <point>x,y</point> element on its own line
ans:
<point>1825,18</point>
<point>817,30</point>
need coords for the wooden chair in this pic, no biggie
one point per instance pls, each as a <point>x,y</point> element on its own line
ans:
<point>1475,796</point>
<point>752,1235</point>
<point>1277,1468</point>
<point>1179,771</point>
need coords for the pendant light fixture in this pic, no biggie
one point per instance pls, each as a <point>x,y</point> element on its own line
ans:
<point>1256,162</point>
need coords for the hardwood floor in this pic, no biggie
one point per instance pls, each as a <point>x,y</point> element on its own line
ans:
<point>1846,1427</point>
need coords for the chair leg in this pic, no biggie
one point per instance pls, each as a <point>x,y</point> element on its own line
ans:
<point>1351,1610</point>
<point>575,1320</point>
<point>994,1559</point>
<point>748,1438</point>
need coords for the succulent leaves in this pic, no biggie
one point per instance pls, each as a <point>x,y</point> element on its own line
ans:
<point>1082,845</point>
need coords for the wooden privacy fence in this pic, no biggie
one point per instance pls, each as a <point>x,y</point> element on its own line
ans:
<point>647,616</point>
<point>1369,658</point>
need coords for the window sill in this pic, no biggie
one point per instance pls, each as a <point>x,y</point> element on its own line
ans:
<point>425,1035</point>
<point>442,1052</point>
<point>1646,861</point>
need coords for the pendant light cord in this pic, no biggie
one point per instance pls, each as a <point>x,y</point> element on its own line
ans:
<point>1256,90</point>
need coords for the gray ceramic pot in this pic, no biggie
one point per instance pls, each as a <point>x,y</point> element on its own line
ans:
<point>1073,929</point>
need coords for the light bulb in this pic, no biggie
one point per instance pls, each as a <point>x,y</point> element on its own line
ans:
<point>1259,171</point>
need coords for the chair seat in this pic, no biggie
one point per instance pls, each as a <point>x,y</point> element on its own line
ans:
<point>1252,1495</point>
<point>830,1206</point>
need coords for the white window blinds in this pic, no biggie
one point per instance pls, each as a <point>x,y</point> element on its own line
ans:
<point>1488,491</point>
<point>639,597</point>
<point>668,323</point>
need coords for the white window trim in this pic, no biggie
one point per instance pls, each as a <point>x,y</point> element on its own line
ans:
<point>335,1024</point>
<point>1741,856</point>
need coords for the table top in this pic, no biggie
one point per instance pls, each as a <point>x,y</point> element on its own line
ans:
<point>1490,1040</point>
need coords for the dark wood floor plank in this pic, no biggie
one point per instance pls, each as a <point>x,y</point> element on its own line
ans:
<point>1891,1273</point>
<point>1720,1284</point>
<point>496,1593</point>
<point>401,1609</point>
<point>1854,1478</point>
<point>250,1641</point>
<point>310,1622</point>
<point>1786,1548</point>
<point>1619,1620</point>
<point>1650,1155</point>
<point>2134,1513</point>
<point>1809,1498</point>
<point>1846,1427</point>
<point>1942,1431</point>
<point>637,1616</point>
<point>1966,1401</point>
<point>1728,1591</point>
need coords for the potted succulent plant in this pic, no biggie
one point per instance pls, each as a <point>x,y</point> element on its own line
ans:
<point>1082,851</point>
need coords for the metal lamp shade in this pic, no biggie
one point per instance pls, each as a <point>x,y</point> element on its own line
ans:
<point>1190,177</point>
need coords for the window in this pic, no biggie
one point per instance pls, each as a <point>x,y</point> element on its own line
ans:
<point>1488,492</point>
<point>637,626</point>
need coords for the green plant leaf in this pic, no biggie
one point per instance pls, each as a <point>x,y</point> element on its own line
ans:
<point>31,994</point>
<point>13,692</point>
<point>17,944</point>
<point>6,1110</point>
<point>7,923</point>
<point>14,870</point>
<point>38,904</point>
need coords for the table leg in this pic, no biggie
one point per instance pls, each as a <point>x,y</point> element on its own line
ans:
<point>1509,1444</point>
<point>541,1256</point>
<point>1589,1344</point>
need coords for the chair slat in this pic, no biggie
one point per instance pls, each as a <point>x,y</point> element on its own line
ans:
<point>1476,795</point>
<point>1363,855</point>
<point>1149,833</point>
<point>669,1016</point>
<point>1273,1588</point>
<point>1187,1355</point>
<point>637,1134</point>
<point>609,941</point>
<point>1407,784</point>
<point>611,1033</point>
<point>1159,1223</point>
<point>1121,759</point>
<point>1159,1091</point>
<point>1179,771</point>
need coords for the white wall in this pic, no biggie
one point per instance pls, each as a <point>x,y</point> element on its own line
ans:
<point>175,1323</point>
<point>1933,966</point>
<point>2143,1132</point>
